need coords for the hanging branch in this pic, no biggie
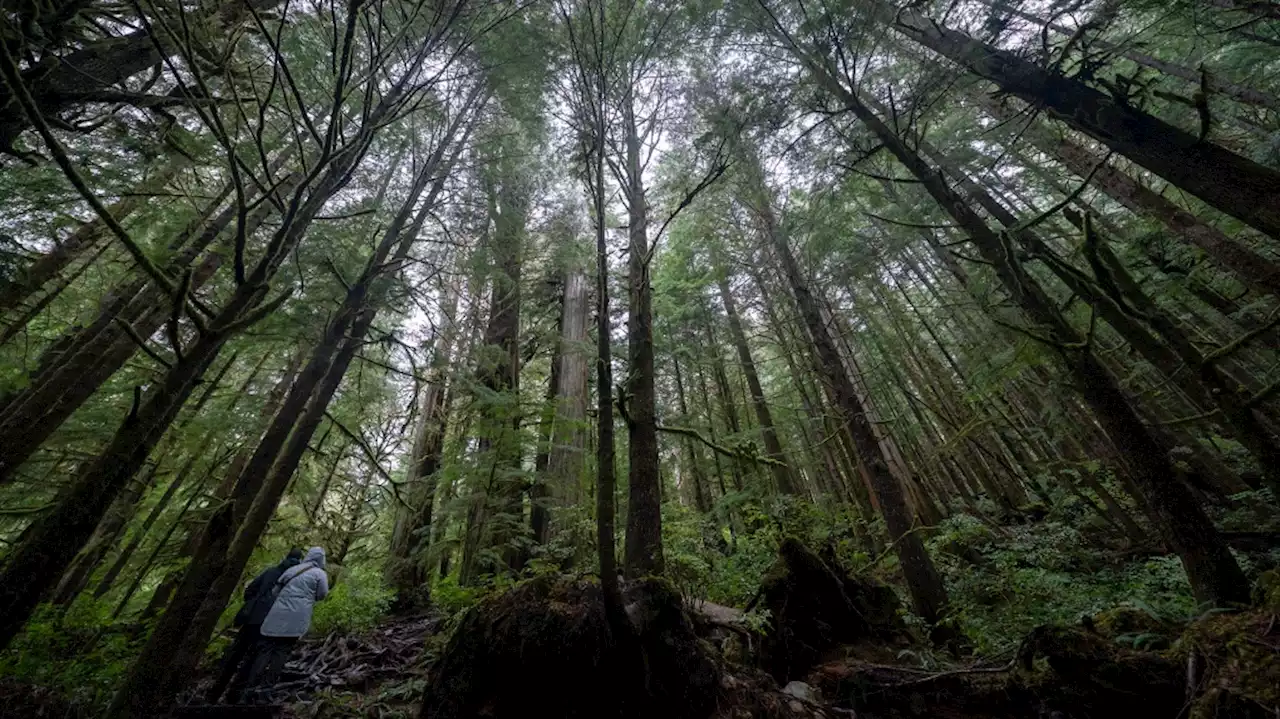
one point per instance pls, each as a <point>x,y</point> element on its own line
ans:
<point>719,164</point>
<point>179,301</point>
<point>695,434</point>
<point>142,343</point>
<point>254,316</point>
<point>365,449</point>
<point>727,451</point>
<point>13,78</point>
<point>1233,346</point>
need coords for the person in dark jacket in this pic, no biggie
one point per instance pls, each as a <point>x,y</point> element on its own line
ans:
<point>296,593</point>
<point>237,663</point>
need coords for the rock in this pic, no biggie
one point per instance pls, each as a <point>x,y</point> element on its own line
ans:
<point>800,690</point>
<point>814,609</point>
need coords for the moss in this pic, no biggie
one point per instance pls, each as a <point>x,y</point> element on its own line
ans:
<point>815,609</point>
<point>1127,620</point>
<point>1240,659</point>
<point>547,644</point>
<point>1266,591</point>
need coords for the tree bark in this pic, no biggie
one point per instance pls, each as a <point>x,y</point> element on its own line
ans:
<point>407,571</point>
<point>1233,184</point>
<point>1239,93</point>
<point>108,579</point>
<point>59,83</point>
<point>498,371</point>
<point>80,362</point>
<point>84,239</point>
<point>567,453</point>
<point>1251,268</point>
<point>701,500</point>
<point>644,506</point>
<point>928,595</point>
<point>782,477</point>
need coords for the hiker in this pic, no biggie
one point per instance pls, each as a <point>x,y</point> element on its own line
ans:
<point>238,659</point>
<point>297,591</point>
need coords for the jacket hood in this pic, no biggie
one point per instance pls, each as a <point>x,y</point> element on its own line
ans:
<point>315,555</point>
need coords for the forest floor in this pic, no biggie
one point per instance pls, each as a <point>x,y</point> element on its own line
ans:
<point>1122,660</point>
<point>1059,622</point>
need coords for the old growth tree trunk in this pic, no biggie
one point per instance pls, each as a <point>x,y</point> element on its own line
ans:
<point>644,507</point>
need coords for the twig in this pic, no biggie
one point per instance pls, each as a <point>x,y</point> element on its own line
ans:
<point>1237,343</point>
<point>364,446</point>
<point>957,672</point>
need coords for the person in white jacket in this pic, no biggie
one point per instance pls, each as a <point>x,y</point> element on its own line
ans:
<point>297,591</point>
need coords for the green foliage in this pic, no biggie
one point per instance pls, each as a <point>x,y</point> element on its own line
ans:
<point>1042,574</point>
<point>357,602</point>
<point>710,559</point>
<point>78,653</point>
<point>451,597</point>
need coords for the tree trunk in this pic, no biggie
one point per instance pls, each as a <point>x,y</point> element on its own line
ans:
<point>1208,386</point>
<point>928,595</point>
<point>20,323</point>
<point>169,658</point>
<point>1212,570</point>
<point>498,371</point>
<point>82,361</point>
<point>160,546</point>
<point>567,453</point>
<point>160,598</point>
<point>84,239</point>
<point>782,478</point>
<point>1239,93</point>
<point>644,506</point>
<point>1251,268</point>
<point>108,531</point>
<point>53,542</point>
<point>728,407</point>
<point>701,500</point>
<point>407,570</point>
<point>1233,184</point>
<point>113,524</point>
<point>59,83</point>
<point>108,579</point>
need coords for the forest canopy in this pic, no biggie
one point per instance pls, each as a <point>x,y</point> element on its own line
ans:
<point>978,300</point>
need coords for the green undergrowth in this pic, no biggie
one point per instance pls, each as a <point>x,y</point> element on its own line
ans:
<point>1046,565</point>
<point>1054,564</point>
<point>76,654</point>
<point>356,603</point>
<point>1004,585</point>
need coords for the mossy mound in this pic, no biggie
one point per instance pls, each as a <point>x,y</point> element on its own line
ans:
<point>1222,666</point>
<point>1134,627</point>
<point>815,609</point>
<point>1064,672</point>
<point>1266,591</point>
<point>546,648</point>
<point>1236,661</point>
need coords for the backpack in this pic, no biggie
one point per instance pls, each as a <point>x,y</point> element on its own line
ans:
<point>279,585</point>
